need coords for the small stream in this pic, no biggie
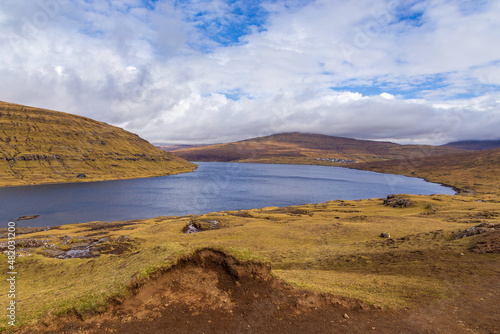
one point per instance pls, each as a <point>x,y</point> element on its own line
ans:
<point>82,252</point>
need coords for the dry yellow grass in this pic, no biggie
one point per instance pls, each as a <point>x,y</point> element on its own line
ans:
<point>470,172</point>
<point>331,247</point>
<point>45,146</point>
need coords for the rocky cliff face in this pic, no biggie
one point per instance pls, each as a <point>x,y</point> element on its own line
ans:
<point>45,146</point>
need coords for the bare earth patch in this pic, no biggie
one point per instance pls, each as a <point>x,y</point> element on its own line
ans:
<point>213,292</point>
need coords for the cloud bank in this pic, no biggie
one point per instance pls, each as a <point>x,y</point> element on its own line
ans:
<point>206,71</point>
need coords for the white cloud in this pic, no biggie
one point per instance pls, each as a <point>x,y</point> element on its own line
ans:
<point>387,96</point>
<point>341,68</point>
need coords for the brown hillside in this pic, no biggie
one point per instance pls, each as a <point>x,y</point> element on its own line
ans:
<point>45,146</point>
<point>301,148</point>
<point>175,147</point>
<point>474,145</point>
<point>477,171</point>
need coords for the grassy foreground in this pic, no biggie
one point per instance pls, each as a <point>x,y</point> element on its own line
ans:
<point>333,247</point>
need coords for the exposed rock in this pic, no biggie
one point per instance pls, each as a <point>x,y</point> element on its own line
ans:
<point>123,238</point>
<point>66,240</point>
<point>396,201</point>
<point>385,235</point>
<point>213,224</point>
<point>27,217</point>
<point>25,230</point>
<point>81,175</point>
<point>80,245</point>
<point>83,249</point>
<point>32,243</point>
<point>204,224</point>
<point>78,253</point>
<point>52,252</point>
<point>27,246</point>
<point>478,229</point>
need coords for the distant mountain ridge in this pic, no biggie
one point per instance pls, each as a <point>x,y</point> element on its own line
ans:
<point>46,146</point>
<point>474,145</point>
<point>175,147</point>
<point>304,148</point>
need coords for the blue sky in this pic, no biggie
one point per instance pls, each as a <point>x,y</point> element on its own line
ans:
<point>206,71</point>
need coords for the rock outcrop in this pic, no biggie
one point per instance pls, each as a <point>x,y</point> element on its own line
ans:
<point>397,202</point>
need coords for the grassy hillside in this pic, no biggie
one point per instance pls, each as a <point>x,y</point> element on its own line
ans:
<point>302,148</point>
<point>174,147</point>
<point>45,146</point>
<point>468,172</point>
<point>474,145</point>
<point>333,247</point>
<point>417,273</point>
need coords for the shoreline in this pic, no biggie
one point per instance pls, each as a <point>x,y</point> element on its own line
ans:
<point>333,248</point>
<point>310,197</point>
<point>84,180</point>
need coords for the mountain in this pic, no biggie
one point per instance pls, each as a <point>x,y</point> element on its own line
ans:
<point>304,148</point>
<point>474,145</point>
<point>175,147</point>
<point>476,171</point>
<point>45,146</point>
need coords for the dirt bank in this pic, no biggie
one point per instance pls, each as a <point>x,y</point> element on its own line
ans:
<point>213,292</point>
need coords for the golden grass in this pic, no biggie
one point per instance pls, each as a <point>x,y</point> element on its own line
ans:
<point>331,247</point>
<point>395,290</point>
<point>44,146</point>
<point>470,172</point>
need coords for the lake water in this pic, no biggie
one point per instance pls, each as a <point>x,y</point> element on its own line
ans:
<point>214,186</point>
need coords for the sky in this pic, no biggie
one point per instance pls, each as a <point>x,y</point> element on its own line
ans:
<point>212,71</point>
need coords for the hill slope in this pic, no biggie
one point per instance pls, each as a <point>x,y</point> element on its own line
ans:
<point>302,148</point>
<point>476,171</point>
<point>474,145</point>
<point>45,146</point>
<point>175,147</point>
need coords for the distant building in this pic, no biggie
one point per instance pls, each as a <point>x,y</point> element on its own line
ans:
<point>342,161</point>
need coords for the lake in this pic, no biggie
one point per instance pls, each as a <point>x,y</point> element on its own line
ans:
<point>214,186</point>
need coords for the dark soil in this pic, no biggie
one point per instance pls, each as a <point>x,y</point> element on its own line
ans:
<point>487,243</point>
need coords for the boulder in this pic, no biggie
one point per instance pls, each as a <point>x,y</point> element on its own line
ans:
<point>397,202</point>
<point>478,229</point>
<point>66,240</point>
<point>32,243</point>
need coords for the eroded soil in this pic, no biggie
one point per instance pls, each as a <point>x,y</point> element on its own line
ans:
<point>212,292</point>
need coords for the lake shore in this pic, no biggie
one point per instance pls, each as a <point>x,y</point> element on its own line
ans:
<point>334,247</point>
<point>213,187</point>
<point>406,280</point>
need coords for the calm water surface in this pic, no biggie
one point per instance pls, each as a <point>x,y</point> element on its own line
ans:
<point>214,186</point>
